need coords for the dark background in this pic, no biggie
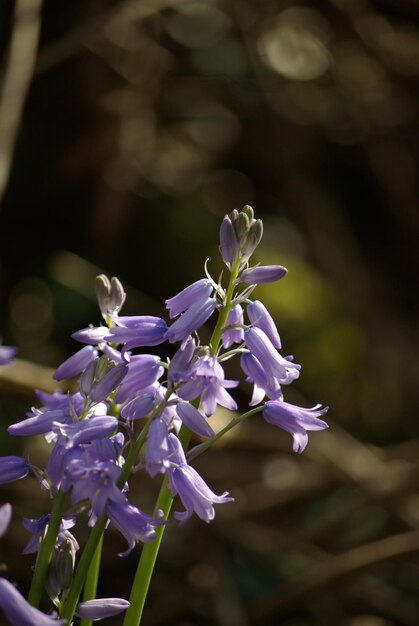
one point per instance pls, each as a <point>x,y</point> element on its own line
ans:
<point>143,124</point>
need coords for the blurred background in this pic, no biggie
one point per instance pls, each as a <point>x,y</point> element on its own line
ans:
<point>128,128</point>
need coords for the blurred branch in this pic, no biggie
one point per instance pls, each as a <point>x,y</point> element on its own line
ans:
<point>16,79</point>
<point>94,29</point>
<point>23,377</point>
<point>337,566</point>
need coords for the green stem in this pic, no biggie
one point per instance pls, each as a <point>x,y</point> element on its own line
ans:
<point>207,444</point>
<point>46,551</point>
<point>90,586</point>
<point>150,551</point>
<point>222,318</point>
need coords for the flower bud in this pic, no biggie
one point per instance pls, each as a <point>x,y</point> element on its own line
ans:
<point>60,573</point>
<point>101,608</point>
<point>110,295</point>
<point>13,468</point>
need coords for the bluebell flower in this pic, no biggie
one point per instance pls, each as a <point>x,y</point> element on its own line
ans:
<point>180,364</point>
<point>137,331</point>
<point>260,317</point>
<point>76,363</point>
<point>19,612</point>
<point>139,407</point>
<point>198,291</point>
<point>37,528</point>
<point>295,420</point>
<point>143,371</point>
<point>263,384</point>
<point>229,246</point>
<point>233,332</point>
<point>193,491</point>
<point>206,379</point>
<point>275,365</point>
<point>5,517</point>
<point>40,422</point>
<point>13,468</point>
<point>85,431</point>
<point>7,354</point>
<point>191,320</point>
<point>132,523</point>
<point>90,480</point>
<point>193,419</point>
<point>108,383</point>
<point>101,608</point>
<point>157,451</point>
<point>262,274</point>
<point>110,295</point>
<point>92,335</point>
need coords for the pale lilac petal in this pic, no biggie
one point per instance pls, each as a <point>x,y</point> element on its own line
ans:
<point>101,608</point>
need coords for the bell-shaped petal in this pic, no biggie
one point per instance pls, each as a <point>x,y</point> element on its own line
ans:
<point>157,452</point>
<point>260,317</point>
<point>199,290</point>
<point>101,608</point>
<point>233,332</point>
<point>194,419</point>
<point>108,383</point>
<point>19,612</point>
<point>7,354</point>
<point>92,335</point>
<point>263,274</point>
<point>229,246</point>
<point>195,494</point>
<point>5,517</point>
<point>191,320</point>
<point>87,430</point>
<point>13,468</point>
<point>76,363</point>
<point>139,407</point>
<point>275,365</point>
<point>295,420</point>
<point>132,523</point>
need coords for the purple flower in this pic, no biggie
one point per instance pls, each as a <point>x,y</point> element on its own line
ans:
<point>191,320</point>
<point>7,354</point>
<point>200,290</point>
<point>260,317</point>
<point>90,480</point>
<point>108,383</point>
<point>86,430</point>
<point>179,365</point>
<point>39,423</point>
<point>37,528</point>
<point>233,332</point>
<point>13,468</point>
<point>295,420</point>
<point>132,523</point>
<point>276,366</point>
<point>263,274</point>
<point>229,246</point>
<point>195,494</point>
<point>76,363</point>
<point>157,452</point>
<point>143,370</point>
<point>139,407</point>
<point>5,517</point>
<point>19,612</point>
<point>101,608</point>
<point>263,384</point>
<point>206,379</point>
<point>92,335</point>
<point>194,419</point>
<point>137,331</point>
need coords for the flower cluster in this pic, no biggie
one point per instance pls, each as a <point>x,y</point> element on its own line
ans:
<point>129,396</point>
